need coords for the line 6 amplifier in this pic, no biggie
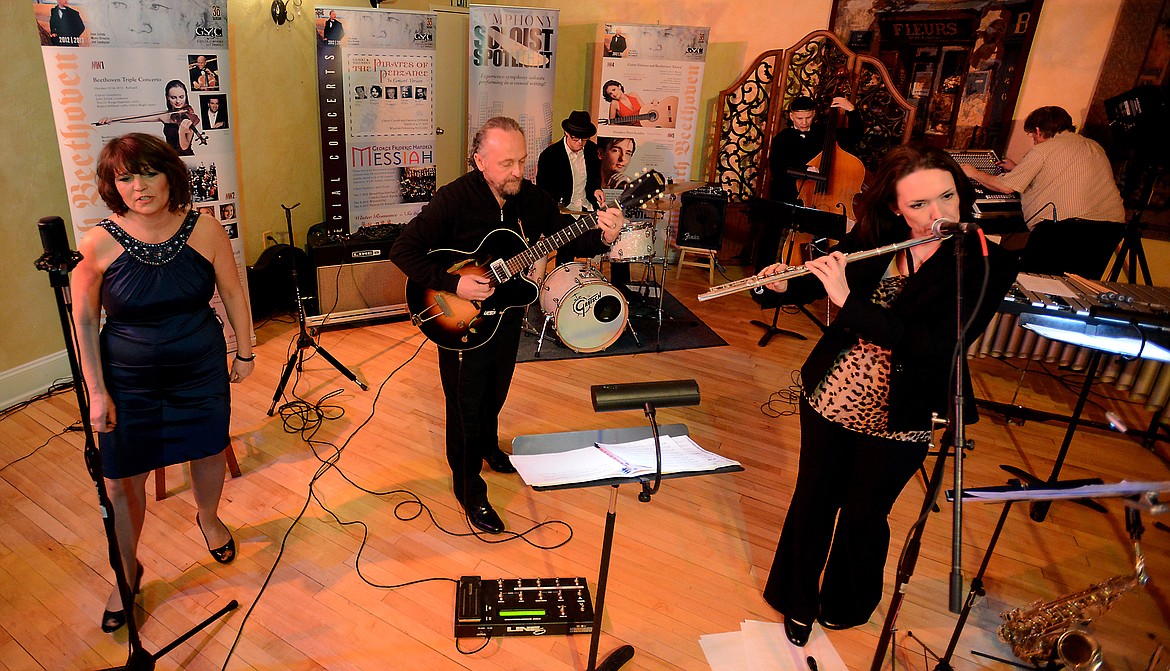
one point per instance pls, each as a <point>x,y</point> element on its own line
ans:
<point>355,281</point>
<point>522,607</point>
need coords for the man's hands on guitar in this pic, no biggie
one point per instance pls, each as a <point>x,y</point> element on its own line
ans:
<point>610,220</point>
<point>474,287</point>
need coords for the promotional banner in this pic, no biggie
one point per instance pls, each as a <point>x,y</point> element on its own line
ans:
<point>114,69</point>
<point>376,81</point>
<point>511,71</point>
<point>648,99</point>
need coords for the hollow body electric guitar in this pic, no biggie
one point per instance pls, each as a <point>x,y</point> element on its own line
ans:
<point>504,258</point>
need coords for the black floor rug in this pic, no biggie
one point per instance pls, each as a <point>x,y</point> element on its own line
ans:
<point>681,329</point>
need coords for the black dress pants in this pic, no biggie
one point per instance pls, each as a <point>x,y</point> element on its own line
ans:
<point>475,390</point>
<point>837,522</point>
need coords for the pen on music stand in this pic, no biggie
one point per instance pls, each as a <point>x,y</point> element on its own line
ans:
<point>812,663</point>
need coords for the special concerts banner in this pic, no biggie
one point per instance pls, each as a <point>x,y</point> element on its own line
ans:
<point>648,98</point>
<point>511,71</point>
<point>376,74</point>
<point>114,70</point>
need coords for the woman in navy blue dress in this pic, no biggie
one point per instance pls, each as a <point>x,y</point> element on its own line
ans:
<point>157,372</point>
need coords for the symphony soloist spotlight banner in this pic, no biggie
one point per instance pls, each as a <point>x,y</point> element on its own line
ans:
<point>512,52</point>
<point>114,69</point>
<point>376,82</point>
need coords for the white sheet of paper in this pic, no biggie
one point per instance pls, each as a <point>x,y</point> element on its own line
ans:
<point>1045,285</point>
<point>558,468</point>
<point>768,649</point>
<point>724,652</point>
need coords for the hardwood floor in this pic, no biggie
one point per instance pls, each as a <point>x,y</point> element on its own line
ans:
<point>691,562</point>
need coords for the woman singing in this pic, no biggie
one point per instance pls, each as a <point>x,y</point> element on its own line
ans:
<point>872,381</point>
<point>157,372</point>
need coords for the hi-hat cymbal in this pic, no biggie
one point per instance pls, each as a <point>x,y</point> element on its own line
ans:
<point>681,187</point>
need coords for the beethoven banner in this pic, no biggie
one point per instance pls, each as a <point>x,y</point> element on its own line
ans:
<point>511,71</point>
<point>113,69</point>
<point>648,99</point>
<point>375,75</point>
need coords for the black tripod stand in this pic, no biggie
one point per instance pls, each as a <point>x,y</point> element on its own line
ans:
<point>304,340</point>
<point>58,260</point>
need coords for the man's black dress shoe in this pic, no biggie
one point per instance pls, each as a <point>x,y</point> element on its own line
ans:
<point>484,518</point>
<point>796,632</point>
<point>829,624</point>
<point>499,462</point>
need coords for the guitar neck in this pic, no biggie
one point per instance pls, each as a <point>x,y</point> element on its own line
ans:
<point>549,244</point>
<point>619,120</point>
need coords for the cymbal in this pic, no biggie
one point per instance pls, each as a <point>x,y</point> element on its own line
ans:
<point>681,187</point>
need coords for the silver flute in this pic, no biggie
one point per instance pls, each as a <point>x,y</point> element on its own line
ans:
<point>760,280</point>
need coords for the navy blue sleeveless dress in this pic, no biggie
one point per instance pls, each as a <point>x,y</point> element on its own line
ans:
<point>163,355</point>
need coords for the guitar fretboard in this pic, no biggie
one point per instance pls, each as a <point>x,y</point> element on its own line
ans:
<point>545,246</point>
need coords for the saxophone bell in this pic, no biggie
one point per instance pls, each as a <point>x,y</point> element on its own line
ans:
<point>1079,651</point>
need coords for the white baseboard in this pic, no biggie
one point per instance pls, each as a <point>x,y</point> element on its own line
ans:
<point>33,378</point>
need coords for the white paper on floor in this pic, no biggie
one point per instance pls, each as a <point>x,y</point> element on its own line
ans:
<point>764,647</point>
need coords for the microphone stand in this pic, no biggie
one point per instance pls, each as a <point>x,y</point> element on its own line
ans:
<point>959,432</point>
<point>58,260</point>
<point>304,340</point>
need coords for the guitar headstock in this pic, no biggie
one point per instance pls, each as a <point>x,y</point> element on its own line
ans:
<point>643,188</point>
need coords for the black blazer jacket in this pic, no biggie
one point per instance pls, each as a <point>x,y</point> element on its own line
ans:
<point>555,175</point>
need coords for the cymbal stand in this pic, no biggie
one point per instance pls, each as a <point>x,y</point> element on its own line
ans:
<point>58,260</point>
<point>304,340</point>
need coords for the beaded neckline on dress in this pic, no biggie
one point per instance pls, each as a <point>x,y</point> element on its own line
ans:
<point>153,253</point>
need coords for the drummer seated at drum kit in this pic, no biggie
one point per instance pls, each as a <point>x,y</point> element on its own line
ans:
<point>570,171</point>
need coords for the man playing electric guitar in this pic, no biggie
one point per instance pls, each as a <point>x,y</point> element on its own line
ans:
<point>493,197</point>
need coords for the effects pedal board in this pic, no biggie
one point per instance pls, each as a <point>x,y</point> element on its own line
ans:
<point>522,607</point>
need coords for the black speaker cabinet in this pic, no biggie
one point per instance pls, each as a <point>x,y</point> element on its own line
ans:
<point>356,282</point>
<point>700,219</point>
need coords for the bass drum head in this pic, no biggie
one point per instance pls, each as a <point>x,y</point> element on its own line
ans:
<point>588,313</point>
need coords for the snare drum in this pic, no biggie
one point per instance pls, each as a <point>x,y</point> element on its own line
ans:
<point>635,242</point>
<point>588,313</point>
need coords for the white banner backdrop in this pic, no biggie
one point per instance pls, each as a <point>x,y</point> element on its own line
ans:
<point>157,70</point>
<point>648,92</point>
<point>511,71</point>
<point>376,80</point>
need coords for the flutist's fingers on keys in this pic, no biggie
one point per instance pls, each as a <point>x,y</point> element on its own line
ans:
<point>775,269</point>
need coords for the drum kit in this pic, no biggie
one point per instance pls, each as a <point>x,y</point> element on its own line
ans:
<point>586,311</point>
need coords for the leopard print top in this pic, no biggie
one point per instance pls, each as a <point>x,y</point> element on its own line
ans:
<point>855,392</point>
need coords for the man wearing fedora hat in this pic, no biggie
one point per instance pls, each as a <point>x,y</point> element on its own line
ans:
<point>569,170</point>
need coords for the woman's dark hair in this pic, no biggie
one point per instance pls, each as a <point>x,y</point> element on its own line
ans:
<point>876,222</point>
<point>605,93</point>
<point>135,154</point>
<point>1049,121</point>
<point>170,85</point>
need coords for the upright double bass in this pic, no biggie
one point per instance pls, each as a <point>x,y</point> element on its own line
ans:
<point>834,176</point>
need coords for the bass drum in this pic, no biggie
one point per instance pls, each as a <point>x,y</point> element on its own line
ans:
<point>588,313</point>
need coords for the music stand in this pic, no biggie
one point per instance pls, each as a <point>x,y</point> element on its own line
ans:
<point>606,398</point>
<point>780,222</point>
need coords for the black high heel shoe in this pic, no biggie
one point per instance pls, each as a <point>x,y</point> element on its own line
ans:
<point>223,554</point>
<point>112,620</point>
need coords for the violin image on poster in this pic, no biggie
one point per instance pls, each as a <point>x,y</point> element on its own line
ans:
<point>180,120</point>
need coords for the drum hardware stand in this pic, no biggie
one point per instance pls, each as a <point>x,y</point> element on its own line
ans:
<point>304,340</point>
<point>58,260</point>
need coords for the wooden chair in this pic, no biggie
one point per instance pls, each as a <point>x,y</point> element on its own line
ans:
<point>160,474</point>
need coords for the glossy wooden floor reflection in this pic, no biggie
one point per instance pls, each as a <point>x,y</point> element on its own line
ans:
<point>690,563</point>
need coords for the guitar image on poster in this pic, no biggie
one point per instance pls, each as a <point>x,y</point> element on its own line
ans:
<point>503,257</point>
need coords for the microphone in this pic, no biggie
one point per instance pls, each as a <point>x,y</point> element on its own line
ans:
<point>943,226</point>
<point>53,238</point>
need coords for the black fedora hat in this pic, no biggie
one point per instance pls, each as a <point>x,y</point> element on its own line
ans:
<point>579,124</point>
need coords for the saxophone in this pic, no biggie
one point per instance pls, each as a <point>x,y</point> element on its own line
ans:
<point>1044,631</point>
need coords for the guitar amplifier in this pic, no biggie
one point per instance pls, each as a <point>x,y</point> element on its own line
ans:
<point>355,281</point>
<point>700,219</point>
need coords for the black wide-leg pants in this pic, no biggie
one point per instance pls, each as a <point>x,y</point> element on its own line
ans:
<point>846,485</point>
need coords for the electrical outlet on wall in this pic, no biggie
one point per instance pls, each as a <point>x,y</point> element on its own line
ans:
<point>272,238</point>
